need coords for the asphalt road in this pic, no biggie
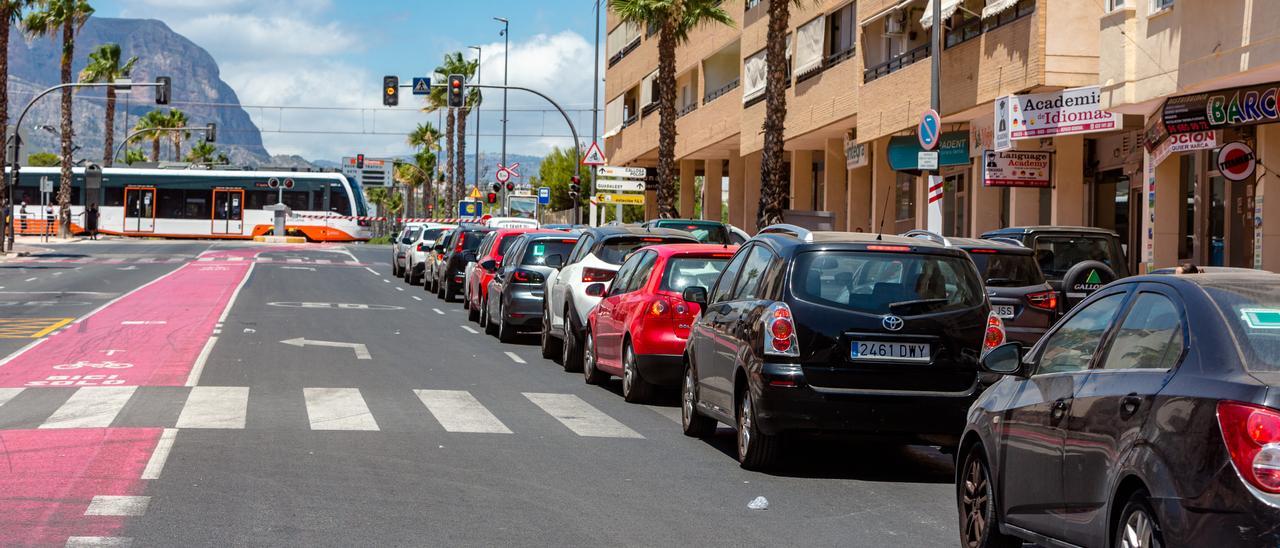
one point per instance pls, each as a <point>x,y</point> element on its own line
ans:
<point>442,436</point>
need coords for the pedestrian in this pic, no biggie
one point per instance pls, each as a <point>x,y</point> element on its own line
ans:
<point>22,218</point>
<point>91,221</point>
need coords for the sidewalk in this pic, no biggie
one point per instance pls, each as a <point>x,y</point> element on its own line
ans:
<point>30,245</point>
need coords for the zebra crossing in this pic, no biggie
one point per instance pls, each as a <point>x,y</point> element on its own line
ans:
<point>326,409</point>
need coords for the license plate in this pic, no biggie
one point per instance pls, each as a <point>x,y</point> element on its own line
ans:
<point>874,350</point>
<point>1005,311</point>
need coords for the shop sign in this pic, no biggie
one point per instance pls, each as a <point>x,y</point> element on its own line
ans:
<point>1236,161</point>
<point>1185,142</point>
<point>1233,107</point>
<point>981,134</point>
<point>1066,112</point>
<point>855,154</point>
<point>1015,168</point>
<point>1000,138</point>
<point>953,150</point>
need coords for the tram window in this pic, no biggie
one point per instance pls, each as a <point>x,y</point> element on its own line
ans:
<point>169,204</point>
<point>338,202</point>
<point>296,201</point>
<point>114,197</point>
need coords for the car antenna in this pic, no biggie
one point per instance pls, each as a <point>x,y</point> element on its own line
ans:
<point>880,230</point>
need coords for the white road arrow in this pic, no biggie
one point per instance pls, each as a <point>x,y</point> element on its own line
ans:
<point>362,351</point>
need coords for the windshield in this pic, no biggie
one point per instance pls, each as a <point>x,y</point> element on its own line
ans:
<point>616,250</point>
<point>685,272</point>
<point>1253,312</point>
<point>1057,254</point>
<point>539,250</point>
<point>1007,270</point>
<point>411,234</point>
<point>886,283</point>
<point>707,232</point>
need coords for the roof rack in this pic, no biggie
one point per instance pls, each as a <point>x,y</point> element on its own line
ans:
<point>1006,240</point>
<point>794,231</point>
<point>927,235</point>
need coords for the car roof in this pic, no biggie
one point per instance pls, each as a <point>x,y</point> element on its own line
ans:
<point>678,221</point>
<point>668,250</point>
<point>610,231</point>
<point>982,243</point>
<point>1051,229</point>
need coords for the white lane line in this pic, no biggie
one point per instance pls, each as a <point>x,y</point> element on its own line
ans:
<point>323,261</point>
<point>78,542</point>
<point>372,271</point>
<point>91,407</point>
<point>338,409</point>
<point>459,411</point>
<point>399,289</point>
<point>118,505</point>
<point>470,330</point>
<point>194,377</point>
<point>204,259</point>
<point>515,358</point>
<point>417,298</point>
<point>225,407</point>
<point>672,413</point>
<point>235,259</point>
<point>438,311</point>
<point>580,417</point>
<point>155,464</point>
<point>31,279</point>
<point>7,394</point>
<point>235,294</point>
<point>386,281</point>
<point>57,273</point>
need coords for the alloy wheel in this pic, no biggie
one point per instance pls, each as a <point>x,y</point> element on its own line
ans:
<point>1139,531</point>
<point>744,424</point>
<point>588,354</point>
<point>687,398</point>
<point>975,502</point>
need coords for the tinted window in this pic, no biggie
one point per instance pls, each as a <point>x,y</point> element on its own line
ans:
<point>1253,312</point>
<point>707,232</point>
<point>1057,254</point>
<point>580,251</point>
<point>752,272</point>
<point>410,234</point>
<point>623,277</point>
<point>685,272</point>
<point>1007,270</point>
<point>505,245</point>
<point>472,240</point>
<point>615,250</point>
<point>432,234</point>
<point>886,283</point>
<point>1149,338</point>
<point>724,284</point>
<point>536,251</point>
<point>1071,348</point>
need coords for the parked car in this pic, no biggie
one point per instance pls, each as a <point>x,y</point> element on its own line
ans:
<point>1076,260</point>
<point>835,333</point>
<point>463,243</point>
<point>639,330</point>
<point>418,251</point>
<point>400,245</point>
<point>1149,416</point>
<point>494,246</point>
<point>595,259</point>
<point>707,232</point>
<point>435,258</point>
<point>1020,296</point>
<point>510,222</point>
<point>517,284</point>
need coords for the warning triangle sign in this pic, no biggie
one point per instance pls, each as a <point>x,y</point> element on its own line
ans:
<point>421,87</point>
<point>593,157</point>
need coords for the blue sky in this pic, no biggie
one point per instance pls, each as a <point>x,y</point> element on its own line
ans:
<point>333,53</point>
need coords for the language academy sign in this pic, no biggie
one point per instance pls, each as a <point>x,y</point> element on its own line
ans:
<point>1065,112</point>
<point>1016,169</point>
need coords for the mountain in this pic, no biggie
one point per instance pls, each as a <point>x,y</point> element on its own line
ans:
<point>198,90</point>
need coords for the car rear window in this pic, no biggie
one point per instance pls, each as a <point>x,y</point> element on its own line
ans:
<point>616,250</point>
<point>1253,312</point>
<point>886,282</point>
<point>705,232</point>
<point>685,272</point>
<point>1007,269</point>
<point>1057,254</point>
<point>473,240</point>
<point>433,234</point>
<point>539,250</point>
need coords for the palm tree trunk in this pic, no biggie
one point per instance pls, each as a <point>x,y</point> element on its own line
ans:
<point>64,188</point>
<point>450,132</point>
<point>109,136</point>
<point>5,23</point>
<point>667,120</point>
<point>461,162</point>
<point>155,148</point>
<point>177,147</point>
<point>772,189</point>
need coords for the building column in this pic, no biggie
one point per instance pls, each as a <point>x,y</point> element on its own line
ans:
<point>884,185</point>
<point>1024,206</point>
<point>712,177</point>
<point>1269,194</point>
<point>1068,181</point>
<point>1168,229</point>
<point>985,203</point>
<point>835,175</point>
<point>801,180</point>
<point>688,184</point>
<point>751,194</point>
<point>737,191</point>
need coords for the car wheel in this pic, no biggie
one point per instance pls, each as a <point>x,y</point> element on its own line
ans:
<point>756,450</point>
<point>694,424</point>
<point>506,331</point>
<point>473,313</point>
<point>979,526</point>
<point>590,374</point>
<point>486,320</point>
<point>548,342</point>
<point>395,268</point>
<point>441,287</point>
<point>428,282</point>
<point>570,354</point>
<point>634,388</point>
<point>1138,527</point>
<point>466,299</point>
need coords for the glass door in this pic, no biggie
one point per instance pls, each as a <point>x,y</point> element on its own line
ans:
<point>139,209</point>
<point>228,211</point>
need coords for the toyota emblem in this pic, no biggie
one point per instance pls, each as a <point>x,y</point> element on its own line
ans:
<point>892,323</point>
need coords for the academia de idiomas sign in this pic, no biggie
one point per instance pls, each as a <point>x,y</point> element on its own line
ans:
<point>1066,112</point>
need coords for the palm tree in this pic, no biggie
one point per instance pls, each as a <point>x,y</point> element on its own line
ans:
<point>438,100</point>
<point>455,127</point>
<point>174,120</point>
<point>773,190</point>
<point>202,153</point>
<point>104,66</point>
<point>10,13</point>
<point>674,19</point>
<point>49,17</point>
<point>377,196</point>
<point>426,139</point>
<point>134,155</point>
<point>149,125</point>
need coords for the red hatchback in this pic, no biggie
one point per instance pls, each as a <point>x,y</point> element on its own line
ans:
<point>639,330</point>
<point>493,247</point>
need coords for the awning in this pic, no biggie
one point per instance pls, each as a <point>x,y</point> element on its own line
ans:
<point>994,7</point>
<point>613,117</point>
<point>753,76</point>
<point>886,11</point>
<point>948,9</point>
<point>647,96</point>
<point>809,46</point>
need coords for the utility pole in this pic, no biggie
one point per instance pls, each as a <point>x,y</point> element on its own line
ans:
<point>595,112</point>
<point>935,99</point>
<point>506,63</point>
<point>479,59</point>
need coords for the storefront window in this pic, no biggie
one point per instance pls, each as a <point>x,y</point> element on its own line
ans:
<point>906,197</point>
<point>1186,189</point>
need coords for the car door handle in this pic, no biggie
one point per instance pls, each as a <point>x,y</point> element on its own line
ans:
<point>1059,409</point>
<point>1129,404</point>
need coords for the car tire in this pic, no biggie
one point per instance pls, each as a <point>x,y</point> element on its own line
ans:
<point>548,342</point>
<point>590,374</point>
<point>756,450</point>
<point>693,423</point>
<point>506,331</point>
<point>570,354</point>
<point>395,269</point>
<point>466,300</point>
<point>634,388</point>
<point>975,497</point>
<point>1138,525</point>
<point>486,320</point>
<point>441,287</point>
<point>473,312</point>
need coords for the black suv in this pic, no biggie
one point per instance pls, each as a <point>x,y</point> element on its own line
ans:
<point>459,249</point>
<point>707,232</point>
<point>1077,260</point>
<point>866,335</point>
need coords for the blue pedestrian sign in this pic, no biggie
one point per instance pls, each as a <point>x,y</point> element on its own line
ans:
<point>929,129</point>
<point>468,208</point>
<point>421,85</point>
<point>544,195</point>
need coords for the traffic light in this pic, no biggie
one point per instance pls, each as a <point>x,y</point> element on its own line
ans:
<point>492,197</point>
<point>511,187</point>
<point>164,90</point>
<point>575,184</point>
<point>211,133</point>
<point>496,187</point>
<point>359,161</point>
<point>390,91</point>
<point>457,95</point>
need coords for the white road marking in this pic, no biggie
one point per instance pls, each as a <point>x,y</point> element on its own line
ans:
<point>223,407</point>
<point>7,394</point>
<point>57,273</point>
<point>294,260</point>
<point>204,259</point>
<point>232,301</point>
<point>78,542</point>
<point>323,261</point>
<point>31,279</point>
<point>470,330</point>
<point>297,268</point>
<point>362,351</point>
<point>194,377</point>
<point>338,409</point>
<point>372,271</point>
<point>417,298</point>
<point>91,407</point>
<point>459,411</point>
<point>235,259</point>
<point>399,289</point>
<point>580,417</point>
<point>438,311</point>
<point>155,464</point>
<point>386,281</point>
<point>515,358</point>
<point>143,322</point>
<point>113,505</point>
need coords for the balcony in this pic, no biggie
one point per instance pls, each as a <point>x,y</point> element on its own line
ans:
<point>687,109</point>
<point>716,93</point>
<point>975,26</point>
<point>897,63</point>
<point>630,47</point>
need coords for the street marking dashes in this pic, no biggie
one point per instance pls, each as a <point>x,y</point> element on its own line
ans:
<point>459,411</point>
<point>580,417</point>
<point>91,407</point>
<point>215,407</point>
<point>338,409</point>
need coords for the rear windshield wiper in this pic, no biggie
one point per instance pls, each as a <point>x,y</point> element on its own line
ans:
<point>895,307</point>
<point>999,281</point>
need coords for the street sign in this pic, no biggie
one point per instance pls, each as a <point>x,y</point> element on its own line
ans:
<point>929,129</point>
<point>544,195</point>
<point>620,185</point>
<point>468,208</point>
<point>1236,161</point>
<point>421,85</point>
<point>927,159</point>
<point>505,173</point>
<point>593,156</point>
<point>621,199</point>
<point>614,172</point>
<point>46,184</point>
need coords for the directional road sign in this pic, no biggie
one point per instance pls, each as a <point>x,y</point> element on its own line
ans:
<point>421,85</point>
<point>623,199</point>
<point>620,185</point>
<point>929,129</point>
<point>593,156</point>
<point>615,172</point>
<point>544,195</point>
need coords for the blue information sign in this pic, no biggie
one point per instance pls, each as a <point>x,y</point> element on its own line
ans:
<point>544,195</point>
<point>421,85</point>
<point>469,208</point>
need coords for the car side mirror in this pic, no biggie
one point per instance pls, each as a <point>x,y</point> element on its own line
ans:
<point>554,260</point>
<point>696,294</point>
<point>489,265</point>
<point>1005,359</point>
<point>595,290</point>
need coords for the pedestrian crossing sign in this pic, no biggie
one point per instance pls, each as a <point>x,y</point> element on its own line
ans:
<point>421,85</point>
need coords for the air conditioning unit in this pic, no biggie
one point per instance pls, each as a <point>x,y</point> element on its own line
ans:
<point>896,22</point>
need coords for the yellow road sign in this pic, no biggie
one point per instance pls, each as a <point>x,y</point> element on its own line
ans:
<point>30,328</point>
<point>624,199</point>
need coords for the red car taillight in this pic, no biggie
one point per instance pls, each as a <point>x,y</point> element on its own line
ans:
<point>780,331</point>
<point>526,277</point>
<point>659,308</point>
<point>995,333</point>
<point>462,237</point>
<point>422,247</point>
<point>1252,436</point>
<point>1047,300</point>
<point>592,275</point>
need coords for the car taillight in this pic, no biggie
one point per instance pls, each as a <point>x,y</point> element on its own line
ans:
<point>462,237</point>
<point>1252,436</point>
<point>592,275</point>
<point>895,248</point>
<point>995,333</point>
<point>526,277</point>
<point>780,331</point>
<point>1047,300</point>
<point>422,247</point>
<point>659,307</point>
<point>362,222</point>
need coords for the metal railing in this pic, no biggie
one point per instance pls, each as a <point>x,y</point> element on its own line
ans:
<point>896,63</point>
<point>716,93</point>
<point>687,109</point>
<point>977,26</point>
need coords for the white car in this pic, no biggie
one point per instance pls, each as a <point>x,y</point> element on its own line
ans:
<point>511,222</point>
<point>416,252</point>
<point>594,260</point>
<point>400,245</point>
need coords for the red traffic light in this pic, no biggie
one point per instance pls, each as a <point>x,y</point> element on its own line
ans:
<point>575,180</point>
<point>492,197</point>
<point>288,184</point>
<point>359,161</point>
<point>511,187</point>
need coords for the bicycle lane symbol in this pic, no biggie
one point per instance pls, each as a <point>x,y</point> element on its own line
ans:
<point>97,379</point>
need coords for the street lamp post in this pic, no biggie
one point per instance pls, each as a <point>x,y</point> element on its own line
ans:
<point>479,60</point>
<point>506,62</point>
